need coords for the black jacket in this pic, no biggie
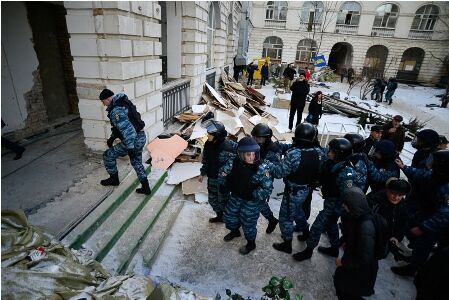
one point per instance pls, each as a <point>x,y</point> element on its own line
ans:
<point>315,108</point>
<point>395,215</point>
<point>300,90</point>
<point>357,275</point>
<point>289,73</point>
<point>369,143</point>
<point>397,137</point>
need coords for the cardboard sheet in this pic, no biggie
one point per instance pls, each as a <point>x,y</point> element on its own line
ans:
<point>216,95</point>
<point>164,151</point>
<point>201,198</point>
<point>198,109</point>
<point>231,123</point>
<point>198,131</point>
<point>193,186</point>
<point>180,172</point>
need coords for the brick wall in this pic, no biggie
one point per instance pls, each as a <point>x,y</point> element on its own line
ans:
<point>116,45</point>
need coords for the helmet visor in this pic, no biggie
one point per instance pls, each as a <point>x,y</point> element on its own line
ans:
<point>249,157</point>
<point>211,128</point>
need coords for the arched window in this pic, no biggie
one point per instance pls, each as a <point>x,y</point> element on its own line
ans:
<point>272,48</point>
<point>425,18</point>
<point>276,10</point>
<point>312,12</point>
<point>306,49</point>
<point>386,16</point>
<point>349,13</point>
<point>212,23</point>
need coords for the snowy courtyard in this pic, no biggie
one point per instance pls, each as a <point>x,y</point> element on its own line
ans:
<point>195,256</point>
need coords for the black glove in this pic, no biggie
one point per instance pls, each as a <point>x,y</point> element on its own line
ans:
<point>110,141</point>
<point>131,153</point>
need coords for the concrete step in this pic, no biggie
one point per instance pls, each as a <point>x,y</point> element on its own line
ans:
<point>147,252</point>
<point>87,227</point>
<point>142,225</point>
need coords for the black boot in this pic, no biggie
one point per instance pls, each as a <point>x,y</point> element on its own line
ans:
<point>304,235</point>
<point>331,251</point>
<point>112,180</point>
<point>286,246</point>
<point>272,222</point>
<point>407,270</point>
<point>145,189</point>
<point>217,219</point>
<point>233,234</point>
<point>250,246</point>
<point>304,254</point>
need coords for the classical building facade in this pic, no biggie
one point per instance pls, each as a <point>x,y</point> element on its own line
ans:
<point>58,56</point>
<point>393,39</point>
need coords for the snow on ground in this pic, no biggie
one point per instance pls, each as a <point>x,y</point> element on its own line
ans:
<point>195,256</point>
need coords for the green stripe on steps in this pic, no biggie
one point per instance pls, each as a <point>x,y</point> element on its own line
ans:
<point>102,254</point>
<point>86,234</point>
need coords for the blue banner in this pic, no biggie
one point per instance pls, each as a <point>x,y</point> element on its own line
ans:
<point>320,61</point>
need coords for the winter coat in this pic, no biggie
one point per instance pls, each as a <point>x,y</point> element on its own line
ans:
<point>300,90</point>
<point>118,116</point>
<point>251,69</point>
<point>264,71</point>
<point>397,137</point>
<point>216,154</point>
<point>392,85</point>
<point>357,275</point>
<point>307,74</point>
<point>384,165</point>
<point>350,72</point>
<point>431,280</point>
<point>316,108</point>
<point>369,143</point>
<point>289,73</point>
<point>395,214</point>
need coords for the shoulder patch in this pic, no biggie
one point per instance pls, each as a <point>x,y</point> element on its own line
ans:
<point>267,174</point>
<point>349,184</point>
<point>117,117</point>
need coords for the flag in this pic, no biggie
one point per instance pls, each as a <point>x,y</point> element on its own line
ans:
<point>320,61</point>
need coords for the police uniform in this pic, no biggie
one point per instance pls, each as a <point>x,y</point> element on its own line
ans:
<point>131,141</point>
<point>271,153</point>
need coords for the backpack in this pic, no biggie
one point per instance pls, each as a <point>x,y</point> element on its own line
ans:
<point>133,114</point>
<point>382,236</point>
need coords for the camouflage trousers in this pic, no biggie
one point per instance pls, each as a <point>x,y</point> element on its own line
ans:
<point>326,221</point>
<point>266,210</point>
<point>216,198</point>
<point>291,210</point>
<point>240,212</point>
<point>120,150</point>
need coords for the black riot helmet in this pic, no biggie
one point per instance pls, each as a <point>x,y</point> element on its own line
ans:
<point>426,138</point>
<point>341,147</point>
<point>262,130</point>
<point>217,129</point>
<point>248,144</point>
<point>439,162</point>
<point>357,141</point>
<point>305,132</point>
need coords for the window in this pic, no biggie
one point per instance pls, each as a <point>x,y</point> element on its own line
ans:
<point>272,48</point>
<point>230,25</point>
<point>212,23</point>
<point>312,12</point>
<point>276,10</point>
<point>386,16</point>
<point>306,49</point>
<point>425,18</point>
<point>349,14</point>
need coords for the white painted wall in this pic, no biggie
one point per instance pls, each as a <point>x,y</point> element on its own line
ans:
<point>19,60</point>
<point>174,36</point>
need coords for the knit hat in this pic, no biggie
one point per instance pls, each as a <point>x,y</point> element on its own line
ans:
<point>398,118</point>
<point>376,128</point>
<point>399,186</point>
<point>106,93</point>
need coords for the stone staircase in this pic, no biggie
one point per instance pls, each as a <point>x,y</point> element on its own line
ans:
<point>125,221</point>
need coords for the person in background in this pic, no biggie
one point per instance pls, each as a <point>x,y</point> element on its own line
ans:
<point>376,92</point>
<point>289,75</point>
<point>251,69</point>
<point>383,85</point>
<point>264,73</point>
<point>16,148</point>
<point>392,85</point>
<point>343,73</point>
<point>351,74</point>
<point>300,89</point>
<point>394,132</point>
<point>356,271</point>
<point>443,143</point>
<point>375,135</point>
<point>307,73</point>
<point>315,109</point>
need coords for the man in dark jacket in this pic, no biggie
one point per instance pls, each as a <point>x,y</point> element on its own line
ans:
<point>289,75</point>
<point>343,73</point>
<point>394,132</point>
<point>251,68</point>
<point>350,74</point>
<point>377,86</point>
<point>383,85</point>
<point>392,85</point>
<point>383,156</point>
<point>300,89</point>
<point>390,204</point>
<point>375,135</point>
<point>264,73</point>
<point>356,271</point>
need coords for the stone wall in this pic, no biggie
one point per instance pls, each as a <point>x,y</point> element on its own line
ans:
<point>116,45</point>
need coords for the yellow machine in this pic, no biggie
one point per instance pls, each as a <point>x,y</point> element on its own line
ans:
<point>260,62</point>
